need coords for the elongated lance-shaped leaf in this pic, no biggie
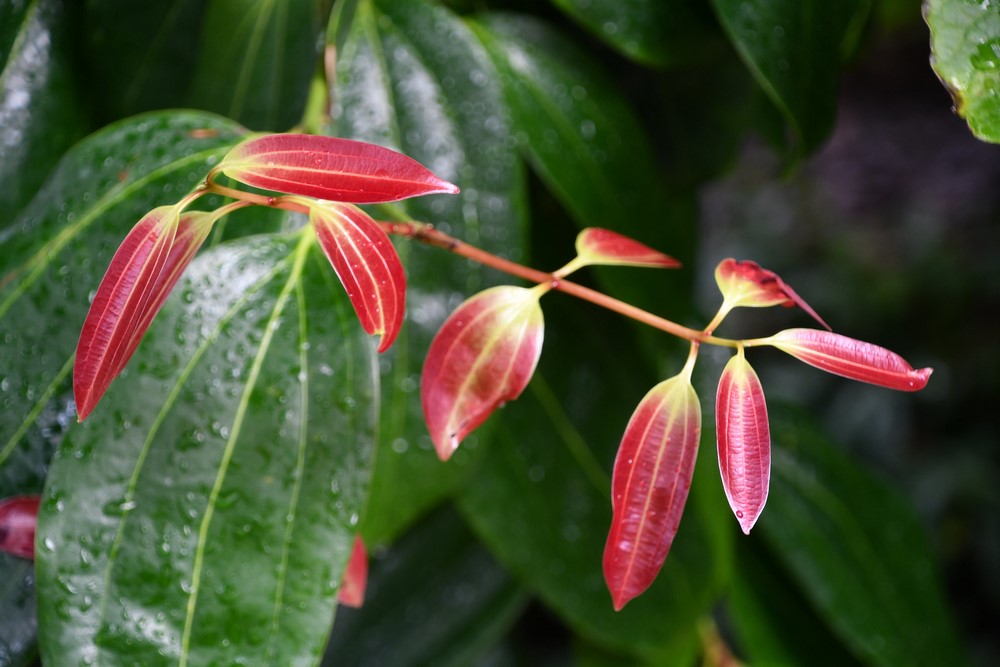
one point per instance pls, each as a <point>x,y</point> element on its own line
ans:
<point>367,265</point>
<point>18,519</point>
<point>848,357</point>
<point>141,275</point>
<point>483,356</point>
<point>744,440</point>
<point>745,283</point>
<point>652,476</point>
<point>352,589</point>
<point>595,245</point>
<point>330,168</point>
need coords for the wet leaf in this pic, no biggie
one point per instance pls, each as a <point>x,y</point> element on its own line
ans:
<point>206,516</point>
<point>965,54</point>
<point>745,283</point>
<point>352,589</point>
<point>850,358</point>
<point>18,518</point>
<point>340,170</point>
<point>652,477</point>
<point>483,356</point>
<point>367,265</point>
<point>744,440</point>
<point>595,245</point>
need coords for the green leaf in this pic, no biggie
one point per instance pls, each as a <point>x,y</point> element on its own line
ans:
<point>436,597</point>
<point>965,48</point>
<point>795,49</point>
<point>412,77</point>
<point>256,61</point>
<point>654,33</point>
<point>205,512</point>
<point>17,612</point>
<point>541,500</point>
<point>40,111</point>
<point>856,550</point>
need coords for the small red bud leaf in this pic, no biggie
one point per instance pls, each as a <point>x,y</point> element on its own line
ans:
<point>141,275</point>
<point>483,356</point>
<point>330,168</point>
<point>744,440</point>
<point>18,519</point>
<point>849,358</point>
<point>352,589</point>
<point>366,263</point>
<point>745,283</point>
<point>603,246</point>
<point>652,476</point>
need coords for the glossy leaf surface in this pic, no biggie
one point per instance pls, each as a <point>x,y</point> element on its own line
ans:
<point>18,518</point>
<point>595,245</point>
<point>340,170</point>
<point>352,589</point>
<point>483,356</point>
<point>857,550</point>
<point>965,53</point>
<point>746,283</point>
<point>795,48</point>
<point>222,486</point>
<point>440,101</point>
<point>143,271</point>
<point>850,358</point>
<point>367,265</point>
<point>649,488</point>
<point>744,440</point>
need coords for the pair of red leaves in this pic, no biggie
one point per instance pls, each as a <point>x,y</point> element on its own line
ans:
<point>152,257</point>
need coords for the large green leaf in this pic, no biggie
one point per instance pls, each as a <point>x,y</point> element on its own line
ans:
<point>542,502</point>
<point>795,49</point>
<point>205,512</point>
<point>856,550</point>
<point>40,112</point>
<point>436,597</point>
<point>649,31</point>
<point>965,45</point>
<point>411,76</point>
<point>256,60</point>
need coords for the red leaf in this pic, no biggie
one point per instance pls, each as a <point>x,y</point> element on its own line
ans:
<point>744,440</point>
<point>366,263</point>
<point>652,476</point>
<point>141,275</point>
<point>745,283</point>
<point>18,519</point>
<point>483,356</point>
<point>330,168</point>
<point>603,246</point>
<point>352,589</point>
<point>849,358</point>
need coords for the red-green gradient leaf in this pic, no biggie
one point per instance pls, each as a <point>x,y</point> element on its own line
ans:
<point>483,356</point>
<point>850,358</point>
<point>141,275</point>
<point>745,283</point>
<point>595,245</point>
<point>352,589</point>
<point>744,440</point>
<point>366,263</point>
<point>330,168</point>
<point>18,519</point>
<point>652,476</point>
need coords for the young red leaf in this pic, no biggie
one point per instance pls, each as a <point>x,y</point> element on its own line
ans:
<point>141,275</point>
<point>745,283</point>
<point>744,440</point>
<point>329,168</point>
<point>483,356</point>
<point>603,246</point>
<point>849,358</point>
<point>652,476</point>
<point>352,589</point>
<point>18,518</point>
<point>366,263</point>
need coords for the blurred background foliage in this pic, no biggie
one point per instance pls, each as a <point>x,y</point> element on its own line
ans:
<point>811,137</point>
